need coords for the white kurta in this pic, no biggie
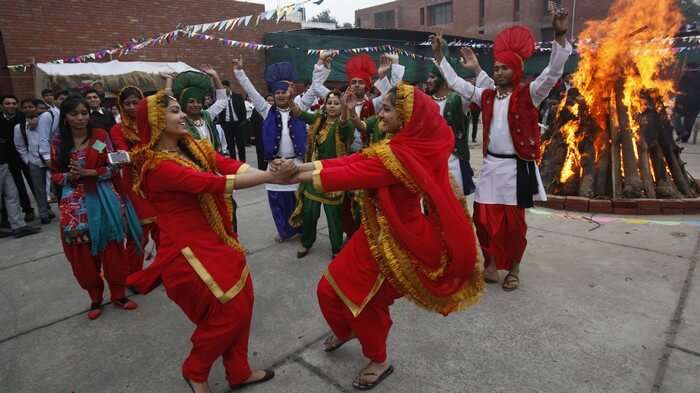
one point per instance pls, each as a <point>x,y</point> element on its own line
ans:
<point>498,176</point>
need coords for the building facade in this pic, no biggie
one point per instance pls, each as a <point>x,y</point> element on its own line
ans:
<point>477,18</point>
<point>43,30</point>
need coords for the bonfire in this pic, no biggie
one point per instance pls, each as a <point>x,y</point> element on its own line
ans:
<point>611,136</point>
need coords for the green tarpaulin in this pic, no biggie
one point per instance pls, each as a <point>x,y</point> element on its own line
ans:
<point>299,41</point>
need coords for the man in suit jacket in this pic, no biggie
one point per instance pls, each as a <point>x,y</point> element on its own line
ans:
<point>234,122</point>
<point>99,116</point>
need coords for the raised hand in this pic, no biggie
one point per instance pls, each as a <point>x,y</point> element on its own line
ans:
<point>209,70</point>
<point>560,22</point>
<point>325,57</point>
<point>238,63</point>
<point>469,59</point>
<point>436,43</point>
<point>384,65</point>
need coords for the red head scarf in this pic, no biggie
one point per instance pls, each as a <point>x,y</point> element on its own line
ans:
<point>363,67</point>
<point>420,151</point>
<point>512,47</point>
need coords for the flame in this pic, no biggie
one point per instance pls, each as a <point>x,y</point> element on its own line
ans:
<point>630,47</point>
<point>572,163</point>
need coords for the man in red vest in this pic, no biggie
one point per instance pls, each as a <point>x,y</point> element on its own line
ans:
<point>509,178</point>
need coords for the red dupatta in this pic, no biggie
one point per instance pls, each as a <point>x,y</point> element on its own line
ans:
<point>418,156</point>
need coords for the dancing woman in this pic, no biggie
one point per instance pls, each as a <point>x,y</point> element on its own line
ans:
<point>200,260</point>
<point>399,251</point>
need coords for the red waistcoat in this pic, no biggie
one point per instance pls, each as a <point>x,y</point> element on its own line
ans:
<point>367,110</point>
<point>522,121</point>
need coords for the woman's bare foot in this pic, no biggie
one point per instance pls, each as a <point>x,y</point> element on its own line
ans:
<point>332,342</point>
<point>491,274</point>
<point>198,387</point>
<point>372,375</point>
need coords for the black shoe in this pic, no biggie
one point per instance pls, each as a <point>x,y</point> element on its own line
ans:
<point>5,233</point>
<point>5,224</point>
<point>45,220</point>
<point>29,217</point>
<point>25,231</point>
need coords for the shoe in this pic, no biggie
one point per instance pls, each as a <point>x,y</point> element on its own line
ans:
<point>29,216</point>
<point>5,233</point>
<point>52,215</point>
<point>25,231</point>
<point>125,304</point>
<point>45,220</point>
<point>303,253</point>
<point>95,311</point>
<point>5,224</point>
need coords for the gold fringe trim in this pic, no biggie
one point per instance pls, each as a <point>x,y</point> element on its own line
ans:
<point>354,308</point>
<point>209,281</point>
<point>399,267</point>
<point>243,169</point>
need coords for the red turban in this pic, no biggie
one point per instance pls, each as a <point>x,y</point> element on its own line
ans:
<point>363,67</point>
<point>512,47</point>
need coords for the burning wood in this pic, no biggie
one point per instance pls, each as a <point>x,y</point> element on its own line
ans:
<point>611,137</point>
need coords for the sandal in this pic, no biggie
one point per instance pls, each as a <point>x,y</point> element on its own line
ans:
<point>125,304</point>
<point>510,283</point>
<point>367,386</point>
<point>331,348</point>
<point>95,311</point>
<point>189,383</point>
<point>269,374</point>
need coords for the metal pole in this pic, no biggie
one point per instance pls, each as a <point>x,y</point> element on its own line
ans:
<point>573,20</point>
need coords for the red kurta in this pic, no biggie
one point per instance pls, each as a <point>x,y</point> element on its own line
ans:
<point>206,277</point>
<point>362,295</point>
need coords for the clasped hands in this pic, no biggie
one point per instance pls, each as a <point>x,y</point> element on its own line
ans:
<point>284,171</point>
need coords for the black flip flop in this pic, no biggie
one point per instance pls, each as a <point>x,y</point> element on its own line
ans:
<point>269,374</point>
<point>369,386</point>
<point>505,280</point>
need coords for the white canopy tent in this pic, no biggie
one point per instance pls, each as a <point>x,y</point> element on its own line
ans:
<point>114,75</point>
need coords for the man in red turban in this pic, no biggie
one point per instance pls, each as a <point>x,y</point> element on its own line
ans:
<point>509,180</point>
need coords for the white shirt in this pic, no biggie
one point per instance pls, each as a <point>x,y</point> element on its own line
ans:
<point>37,146</point>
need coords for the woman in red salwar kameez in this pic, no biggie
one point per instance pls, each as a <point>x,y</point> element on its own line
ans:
<point>200,260</point>
<point>124,137</point>
<point>429,258</point>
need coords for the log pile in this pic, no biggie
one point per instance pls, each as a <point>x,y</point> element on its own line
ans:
<point>632,156</point>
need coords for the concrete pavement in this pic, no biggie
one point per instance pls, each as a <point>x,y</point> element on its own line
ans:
<point>609,308</point>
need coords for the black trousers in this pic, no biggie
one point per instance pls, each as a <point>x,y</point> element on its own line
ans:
<point>689,117</point>
<point>236,137</point>
<point>475,123</point>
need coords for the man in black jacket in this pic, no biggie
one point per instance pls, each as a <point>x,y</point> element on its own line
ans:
<point>99,116</point>
<point>234,122</point>
<point>10,117</point>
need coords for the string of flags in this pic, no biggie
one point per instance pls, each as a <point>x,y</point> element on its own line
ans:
<point>680,44</point>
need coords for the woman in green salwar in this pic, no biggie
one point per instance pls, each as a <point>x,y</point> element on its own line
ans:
<point>329,135</point>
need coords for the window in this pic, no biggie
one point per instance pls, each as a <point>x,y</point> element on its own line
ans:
<point>516,10</point>
<point>482,12</point>
<point>422,16</point>
<point>358,23</point>
<point>385,20</point>
<point>548,4</point>
<point>440,14</point>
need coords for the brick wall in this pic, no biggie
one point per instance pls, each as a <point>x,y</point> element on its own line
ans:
<point>498,14</point>
<point>45,29</point>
